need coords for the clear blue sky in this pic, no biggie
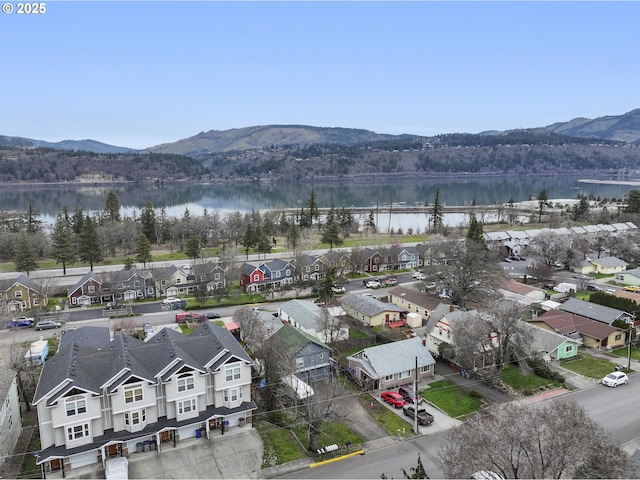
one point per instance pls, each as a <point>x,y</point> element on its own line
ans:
<point>138,74</point>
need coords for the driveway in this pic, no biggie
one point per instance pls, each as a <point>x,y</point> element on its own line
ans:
<point>236,454</point>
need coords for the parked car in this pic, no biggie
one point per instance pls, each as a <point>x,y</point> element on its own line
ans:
<point>593,288</point>
<point>424,418</point>
<point>170,300</point>
<point>409,395</point>
<point>632,288</point>
<point>184,317</point>
<point>211,315</point>
<point>147,329</point>
<point>372,284</point>
<point>419,275</point>
<point>19,323</point>
<point>47,324</point>
<point>393,398</point>
<point>24,318</point>
<point>614,379</point>
<point>337,289</point>
<point>430,285</point>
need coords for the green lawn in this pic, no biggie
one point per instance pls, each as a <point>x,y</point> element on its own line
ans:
<point>511,375</point>
<point>279,445</point>
<point>353,333</point>
<point>589,366</point>
<point>624,352</point>
<point>450,398</point>
<point>330,433</point>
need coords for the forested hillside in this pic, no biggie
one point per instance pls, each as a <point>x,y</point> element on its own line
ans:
<point>511,153</point>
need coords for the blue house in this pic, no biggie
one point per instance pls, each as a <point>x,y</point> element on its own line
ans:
<point>311,357</point>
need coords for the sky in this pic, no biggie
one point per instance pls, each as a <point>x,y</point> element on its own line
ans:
<point>138,74</point>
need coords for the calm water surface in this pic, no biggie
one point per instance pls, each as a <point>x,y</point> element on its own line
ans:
<point>245,197</point>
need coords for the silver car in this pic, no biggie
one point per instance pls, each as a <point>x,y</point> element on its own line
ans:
<point>47,324</point>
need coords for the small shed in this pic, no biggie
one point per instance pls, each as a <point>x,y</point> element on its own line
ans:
<point>37,352</point>
<point>414,320</point>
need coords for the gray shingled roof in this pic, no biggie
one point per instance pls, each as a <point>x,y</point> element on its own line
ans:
<point>416,297</point>
<point>544,340</point>
<point>369,306</point>
<point>7,283</point>
<point>91,365</point>
<point>593,310</point>
<point>304,312</point>
<point>391,358</point>
<point>609,262</point>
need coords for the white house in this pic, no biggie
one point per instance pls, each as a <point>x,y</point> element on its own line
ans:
<point>10,419</point>
<point>320,323</point>
<point>99,398</point>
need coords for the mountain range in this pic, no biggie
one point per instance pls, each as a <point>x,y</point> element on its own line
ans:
<point>620,128</point>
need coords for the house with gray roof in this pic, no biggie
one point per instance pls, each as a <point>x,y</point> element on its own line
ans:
<point>309,357</point>
<point>124,285</point>
<point>314,320</point>
<point>309,267</point>
<point>99,398</point>
<point>340,260</point>
<point>415,301</point>
<point>549,345</point>
<point>371,311</point>
<point>171,281</point>
<point>86,291</point>
<point>21,293</point>
<point>629,277</point>
<point>594,311</point>
<point>270,275</point>
<point>604,265</point>
<point>392,364</point>
<point>210,274</point>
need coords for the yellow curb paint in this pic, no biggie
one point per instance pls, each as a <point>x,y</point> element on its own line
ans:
<point>331,460</point>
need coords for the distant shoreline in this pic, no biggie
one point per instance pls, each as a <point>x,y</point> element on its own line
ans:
<point>611,182</point>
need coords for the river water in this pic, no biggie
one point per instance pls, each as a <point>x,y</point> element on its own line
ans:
<point>245,197</point>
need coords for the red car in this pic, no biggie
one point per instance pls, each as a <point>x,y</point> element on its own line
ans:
<point>393,398</point>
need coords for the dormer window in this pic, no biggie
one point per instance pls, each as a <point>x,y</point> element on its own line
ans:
<point>186,382</point>
<point>75,405</point>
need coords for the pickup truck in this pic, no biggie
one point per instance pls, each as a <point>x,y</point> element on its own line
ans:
<point>424,418</point>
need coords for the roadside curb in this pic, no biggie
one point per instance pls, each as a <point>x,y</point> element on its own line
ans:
<point>337,459</point>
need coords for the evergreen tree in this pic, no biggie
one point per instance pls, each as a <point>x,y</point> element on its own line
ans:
<point>370,222</point>
<point>284,224</point>
<point>632,201</point>
<point>314,213</point>
<point>90,244</point>
<point>192,248</point>
<point>542,201</point>
<point>111,212</point>
<point>293,236</point>
<point>475,230</point>
<point>437,212</point>
<point>62,249</point>
<point>249,240</point>
<point>77,221</point>
<point>331,235</point>
<point>263,242</point>
<point>331,216</point>
<point>33,224</point>
<point>143,249</point>
<point>25,256</point>
<point>580,211</point>
<point>346,221</point>
<point>149,223</point>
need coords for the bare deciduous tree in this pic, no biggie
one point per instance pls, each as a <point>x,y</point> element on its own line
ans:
<point>468,270</point>
<point>252,330</point>
<point>330,326</point>
<point>551,440</point>
<point>549,248</point>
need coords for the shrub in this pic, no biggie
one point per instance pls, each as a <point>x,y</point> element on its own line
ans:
<point>476,394</point>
